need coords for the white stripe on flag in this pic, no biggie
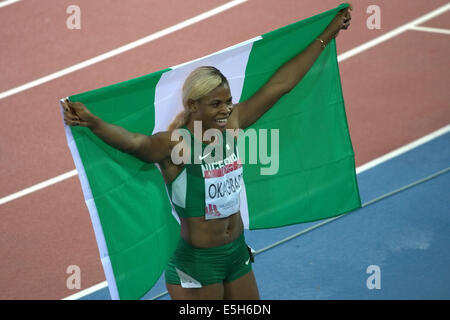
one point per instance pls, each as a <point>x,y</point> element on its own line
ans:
<point>231,61</point>
<point>96,224</point>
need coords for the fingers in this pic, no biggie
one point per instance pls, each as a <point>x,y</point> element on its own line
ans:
<point>346,10</point>
<point>342,20</point>
<point>346,23</point>
<point>74,122</point>
<point>68,112</point>
<point>71,117</point>
<point>68,106</point>
<point>345,14</point>
<point>346,18</point>
<point>72,106</point>
<point>64,104</point>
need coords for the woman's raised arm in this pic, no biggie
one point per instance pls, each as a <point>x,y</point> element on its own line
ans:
<point>151,149</point>
<point>289,74</point>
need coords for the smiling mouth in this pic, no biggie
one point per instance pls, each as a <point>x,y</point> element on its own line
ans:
<point>222,122</point>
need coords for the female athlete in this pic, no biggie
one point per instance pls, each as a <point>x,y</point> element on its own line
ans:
<point>212,260</point>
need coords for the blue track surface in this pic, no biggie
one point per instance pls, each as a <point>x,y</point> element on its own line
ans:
<point>406,235</point>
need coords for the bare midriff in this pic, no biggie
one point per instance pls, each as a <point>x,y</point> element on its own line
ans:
<point>202,233</point>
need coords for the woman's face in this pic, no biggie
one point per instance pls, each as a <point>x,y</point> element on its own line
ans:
<point>214,108</point>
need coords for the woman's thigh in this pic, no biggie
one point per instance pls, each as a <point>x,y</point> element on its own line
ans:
<point>209,292</point>
<point>243,288</point>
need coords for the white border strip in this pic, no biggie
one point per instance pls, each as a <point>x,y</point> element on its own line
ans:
<point>120,50</point>
<point>92,208</point>
<point>7,3</point>
<point>88,291</point>
<point>429,29</point>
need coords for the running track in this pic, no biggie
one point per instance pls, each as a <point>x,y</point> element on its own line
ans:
<point>395,92</point>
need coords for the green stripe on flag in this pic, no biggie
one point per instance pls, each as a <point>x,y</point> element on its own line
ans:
<point>130,197</point>
<point>316,177</point>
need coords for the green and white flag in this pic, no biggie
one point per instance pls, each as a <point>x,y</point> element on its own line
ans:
<point>135,227</point>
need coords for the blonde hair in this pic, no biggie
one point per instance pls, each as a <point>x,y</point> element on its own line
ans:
<point>199,83</point>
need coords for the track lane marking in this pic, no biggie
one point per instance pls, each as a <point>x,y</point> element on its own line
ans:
<point>429,29</point>
<point>7,3</point>
<point>39,186</point>
<point>199,18</point>
<point>132,45</point>
<point>395,32</point>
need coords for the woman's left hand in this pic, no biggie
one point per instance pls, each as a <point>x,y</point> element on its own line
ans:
<point>341,21</point>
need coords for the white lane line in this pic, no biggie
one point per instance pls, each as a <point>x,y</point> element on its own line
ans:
<point>429,29</point>
<point>7,3</point>
<point>39,186</point>
<point>199,18</point>
<point>125,48</point>
<point>394,33</point>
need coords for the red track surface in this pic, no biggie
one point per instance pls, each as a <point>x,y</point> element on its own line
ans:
<point>395,93</point>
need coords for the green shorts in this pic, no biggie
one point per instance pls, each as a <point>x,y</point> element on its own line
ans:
<point>196,267</point>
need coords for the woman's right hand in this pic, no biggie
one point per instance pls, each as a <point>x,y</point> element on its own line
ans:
<point>76,114</point>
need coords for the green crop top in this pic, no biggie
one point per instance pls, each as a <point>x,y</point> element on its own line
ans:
<point>208,185</point>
